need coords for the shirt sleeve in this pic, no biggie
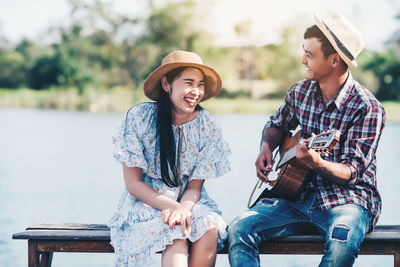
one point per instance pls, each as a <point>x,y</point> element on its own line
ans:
<point>128,147</point>
<point>362,139</point>
<point>212,160</point>
<point>284,116</point>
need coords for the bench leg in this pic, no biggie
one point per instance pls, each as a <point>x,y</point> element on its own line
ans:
<point>46,259</point>
<point>33,255</point>
<point>38,259</point>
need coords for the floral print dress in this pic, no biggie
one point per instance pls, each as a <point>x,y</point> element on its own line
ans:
<point>136,229</point>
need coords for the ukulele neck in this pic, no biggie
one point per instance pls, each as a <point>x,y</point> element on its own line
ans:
<point>287,156</point>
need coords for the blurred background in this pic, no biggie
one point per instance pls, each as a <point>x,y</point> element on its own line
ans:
<point>70,69</point>
<point>94,55</point>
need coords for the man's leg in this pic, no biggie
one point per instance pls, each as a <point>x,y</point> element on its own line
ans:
<point>270,218</point>
<point>345,228</point>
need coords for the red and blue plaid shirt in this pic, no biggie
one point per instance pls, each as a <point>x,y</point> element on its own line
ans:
<point>360,118</point>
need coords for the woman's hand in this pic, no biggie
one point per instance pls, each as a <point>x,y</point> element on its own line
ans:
<point>165,214</point>
<point>181,215</point>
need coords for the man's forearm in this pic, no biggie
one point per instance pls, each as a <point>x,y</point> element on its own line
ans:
<point>272,136</point>
<point>335,172</point>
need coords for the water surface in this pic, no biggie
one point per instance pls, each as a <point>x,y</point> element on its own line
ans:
<point>57,166</point>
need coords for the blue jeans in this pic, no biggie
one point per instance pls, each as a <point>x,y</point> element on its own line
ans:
<point>344,228</point>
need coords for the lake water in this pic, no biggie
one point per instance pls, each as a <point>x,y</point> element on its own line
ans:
<point>57,166</point>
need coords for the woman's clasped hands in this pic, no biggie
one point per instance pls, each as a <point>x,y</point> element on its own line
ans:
<point>181,215</point>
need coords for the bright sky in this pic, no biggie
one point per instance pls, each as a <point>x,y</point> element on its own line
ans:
<point>375,19</point>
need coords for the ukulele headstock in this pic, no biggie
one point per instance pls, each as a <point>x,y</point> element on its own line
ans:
<point>325,141</point>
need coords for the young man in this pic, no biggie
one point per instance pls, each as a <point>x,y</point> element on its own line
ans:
<point>340,197</point>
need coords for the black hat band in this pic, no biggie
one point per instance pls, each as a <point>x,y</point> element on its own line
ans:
<point>340,44</point>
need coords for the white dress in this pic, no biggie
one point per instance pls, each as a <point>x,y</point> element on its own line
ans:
<point>137,230</point>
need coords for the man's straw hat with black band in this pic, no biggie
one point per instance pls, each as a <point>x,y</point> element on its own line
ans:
<point>178,59</point>
<point>343,36</point>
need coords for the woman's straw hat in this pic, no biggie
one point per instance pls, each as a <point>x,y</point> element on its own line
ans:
<point>178,59</point>
<point>343,36</point>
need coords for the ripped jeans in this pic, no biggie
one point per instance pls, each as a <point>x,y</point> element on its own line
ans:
<point>344,228</point>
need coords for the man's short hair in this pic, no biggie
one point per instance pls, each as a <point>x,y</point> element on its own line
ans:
<point>326,47</point>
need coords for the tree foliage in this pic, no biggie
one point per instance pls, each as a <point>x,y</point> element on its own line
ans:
<point>12,69</point>
<point>103,49</point>
<point>89,54</point>
<point>386,66</point>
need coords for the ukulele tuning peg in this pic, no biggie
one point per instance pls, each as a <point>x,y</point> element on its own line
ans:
<point>324,152</point>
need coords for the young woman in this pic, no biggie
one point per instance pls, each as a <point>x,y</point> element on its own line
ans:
<point>168,148</point>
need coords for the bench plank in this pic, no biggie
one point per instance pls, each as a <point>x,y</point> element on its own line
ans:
<point>68,226</point>
<point>381,233</point>
<point>64,235</point>
<point>44,239</point>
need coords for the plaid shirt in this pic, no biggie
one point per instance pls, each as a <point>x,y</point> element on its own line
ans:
<point>360,118</point>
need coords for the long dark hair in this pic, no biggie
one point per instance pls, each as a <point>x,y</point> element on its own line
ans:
<point>169,169</point>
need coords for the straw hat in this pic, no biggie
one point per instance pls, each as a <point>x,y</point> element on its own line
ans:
<point>343,36</point>
<point>178,59</point>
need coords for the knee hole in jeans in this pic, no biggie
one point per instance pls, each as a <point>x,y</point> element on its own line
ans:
<point>340,232</point>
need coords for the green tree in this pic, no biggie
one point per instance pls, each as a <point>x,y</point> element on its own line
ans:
<point>102,48</point>
<point>171,26</point>
<point>66,65</point>
<point>12,69</point>
<point>386,67</point>
<point>168,27</point>
<point>44,72</point>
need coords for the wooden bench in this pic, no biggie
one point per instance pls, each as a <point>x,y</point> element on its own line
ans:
<point>44,239</point>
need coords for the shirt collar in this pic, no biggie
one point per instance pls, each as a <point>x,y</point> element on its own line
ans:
<point>343,94</point>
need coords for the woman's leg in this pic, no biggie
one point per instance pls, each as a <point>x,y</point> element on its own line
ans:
<point>175,255</point>
<point>203,252</point>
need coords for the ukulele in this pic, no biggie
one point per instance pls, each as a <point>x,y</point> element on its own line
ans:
<point>288,173</point>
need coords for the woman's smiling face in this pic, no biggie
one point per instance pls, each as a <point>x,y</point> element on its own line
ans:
<point>186,91</point>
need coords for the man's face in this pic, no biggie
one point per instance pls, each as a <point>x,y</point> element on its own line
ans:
<point>317,66</point>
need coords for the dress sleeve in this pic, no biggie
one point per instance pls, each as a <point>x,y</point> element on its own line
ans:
<point>128,146</point>
<point>212,160</point>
